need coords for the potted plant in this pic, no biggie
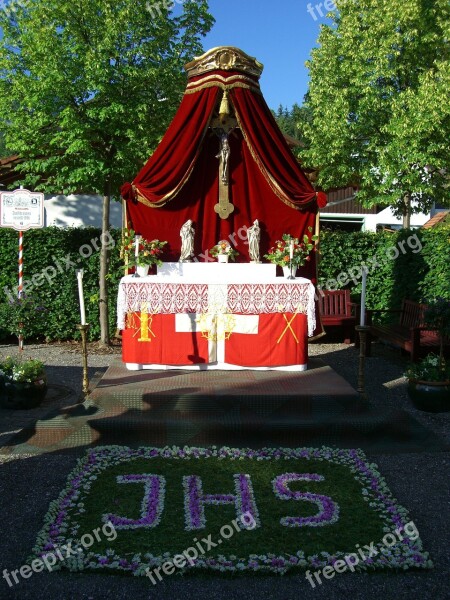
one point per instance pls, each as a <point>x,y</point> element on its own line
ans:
<point>149,252</point>
<point>429,379</point>
<point>23,382</point>
<point>223,251</point>
<point>280,253</point>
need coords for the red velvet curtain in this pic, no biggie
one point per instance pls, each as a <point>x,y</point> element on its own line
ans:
<point>168,168</point>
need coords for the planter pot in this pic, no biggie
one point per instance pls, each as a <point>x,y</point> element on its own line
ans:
<point>430,396</point>
<point>142,271</point>
<point>20,395</point>
<point>222,258</point>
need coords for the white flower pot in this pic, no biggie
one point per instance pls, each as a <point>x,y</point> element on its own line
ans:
<point>222,258</point>
<point>287,271</point>
<point>142,271</point>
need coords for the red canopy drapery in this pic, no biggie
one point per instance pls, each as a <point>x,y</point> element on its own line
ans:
<point>180,181</point>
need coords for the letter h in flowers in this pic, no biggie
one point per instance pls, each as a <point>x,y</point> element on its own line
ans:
<point>195,501</point>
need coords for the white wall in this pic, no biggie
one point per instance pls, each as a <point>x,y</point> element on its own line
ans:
<point>387,217</point>
<point>79,210</point>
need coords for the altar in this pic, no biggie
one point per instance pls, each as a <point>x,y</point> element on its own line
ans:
<point>215,316</point>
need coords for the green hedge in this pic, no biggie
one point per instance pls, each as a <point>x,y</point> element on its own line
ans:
<point>411,264</point>
<point>51,256</point>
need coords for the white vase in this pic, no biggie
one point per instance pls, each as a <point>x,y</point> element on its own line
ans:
<point>142,271</point>
<point>287,271</point>
<point>222,258</point>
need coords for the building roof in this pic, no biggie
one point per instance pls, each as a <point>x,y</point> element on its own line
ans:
<point>439,217</point>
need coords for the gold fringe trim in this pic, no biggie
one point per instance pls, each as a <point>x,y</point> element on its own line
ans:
<point>270,180</point>
<point>229,79</point>
<point>223,86</point>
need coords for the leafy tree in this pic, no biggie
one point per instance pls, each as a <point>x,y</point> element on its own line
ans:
<point>379,84</point>
<point>87,89</point>
<point>292,122</point>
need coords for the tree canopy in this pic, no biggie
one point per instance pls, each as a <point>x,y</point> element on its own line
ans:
<point>379,88</point>
<point>88,88</point>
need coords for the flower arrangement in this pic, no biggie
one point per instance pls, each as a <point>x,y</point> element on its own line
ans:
<point>22,371</point>
<point>150,251</point>
<point>223,247</point>
<point>66,519</point>
<point>279,254</point>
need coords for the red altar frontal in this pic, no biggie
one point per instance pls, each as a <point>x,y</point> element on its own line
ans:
<point>171,322</point>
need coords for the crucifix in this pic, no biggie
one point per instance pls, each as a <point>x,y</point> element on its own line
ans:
<point>222,126</point>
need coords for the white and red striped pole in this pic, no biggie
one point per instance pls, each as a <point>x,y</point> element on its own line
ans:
<point>20,288</point>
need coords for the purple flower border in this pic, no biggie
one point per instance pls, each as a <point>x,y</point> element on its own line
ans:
<point>58,529</point>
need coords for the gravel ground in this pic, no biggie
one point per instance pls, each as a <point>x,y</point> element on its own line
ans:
<point>419,482</point>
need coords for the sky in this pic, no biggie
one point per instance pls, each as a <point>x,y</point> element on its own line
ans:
<point>279,33</point>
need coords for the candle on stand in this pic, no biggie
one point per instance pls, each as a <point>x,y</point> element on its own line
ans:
<point>136,246</point>
<point>362,319</point>
<point>291,250</point>
<point>81,295</point>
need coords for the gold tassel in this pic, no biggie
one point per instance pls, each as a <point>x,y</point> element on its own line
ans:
<point>224,110</point>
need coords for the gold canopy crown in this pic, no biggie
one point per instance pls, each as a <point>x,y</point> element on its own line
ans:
<point>226,58</point>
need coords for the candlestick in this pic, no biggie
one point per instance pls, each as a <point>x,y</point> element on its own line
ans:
<point>291,250</point>
<point>362,319</point>
<point>79,273</point>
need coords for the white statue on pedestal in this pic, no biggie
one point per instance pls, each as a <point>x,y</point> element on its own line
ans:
<point>187,233</point>
<point>253,236</point>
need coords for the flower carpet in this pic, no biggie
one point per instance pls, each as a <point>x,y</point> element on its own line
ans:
<point>154,511</point>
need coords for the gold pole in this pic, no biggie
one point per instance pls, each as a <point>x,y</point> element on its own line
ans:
<point>85,386</point>
<point>362,331</point>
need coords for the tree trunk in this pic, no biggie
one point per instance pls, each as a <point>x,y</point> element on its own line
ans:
<point>407,211</point>
<point>104,266</point>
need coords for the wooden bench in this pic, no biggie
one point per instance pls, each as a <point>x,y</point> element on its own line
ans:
<point>337,310</point>
<point>410,332</point>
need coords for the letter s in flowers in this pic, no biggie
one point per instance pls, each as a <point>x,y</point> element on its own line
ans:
<point>328,509</point>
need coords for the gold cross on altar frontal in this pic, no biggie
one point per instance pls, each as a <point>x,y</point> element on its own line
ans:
<point>216,327</point>
<point>300,309</point>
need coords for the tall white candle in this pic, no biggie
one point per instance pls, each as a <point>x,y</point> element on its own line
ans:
<point>362,319</point>
<point>81,295</point>
<point>136,246</point>
<point>291,250</point>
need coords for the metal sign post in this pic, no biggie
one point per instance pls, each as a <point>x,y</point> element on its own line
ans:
<point>21,210</point>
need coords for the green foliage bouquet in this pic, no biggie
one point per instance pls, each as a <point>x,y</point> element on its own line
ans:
<point>150,251</point>
<point>279,254</point>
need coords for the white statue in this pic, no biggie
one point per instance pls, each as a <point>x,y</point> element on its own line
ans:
<point>187,233</point>
<point>253,236</point>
